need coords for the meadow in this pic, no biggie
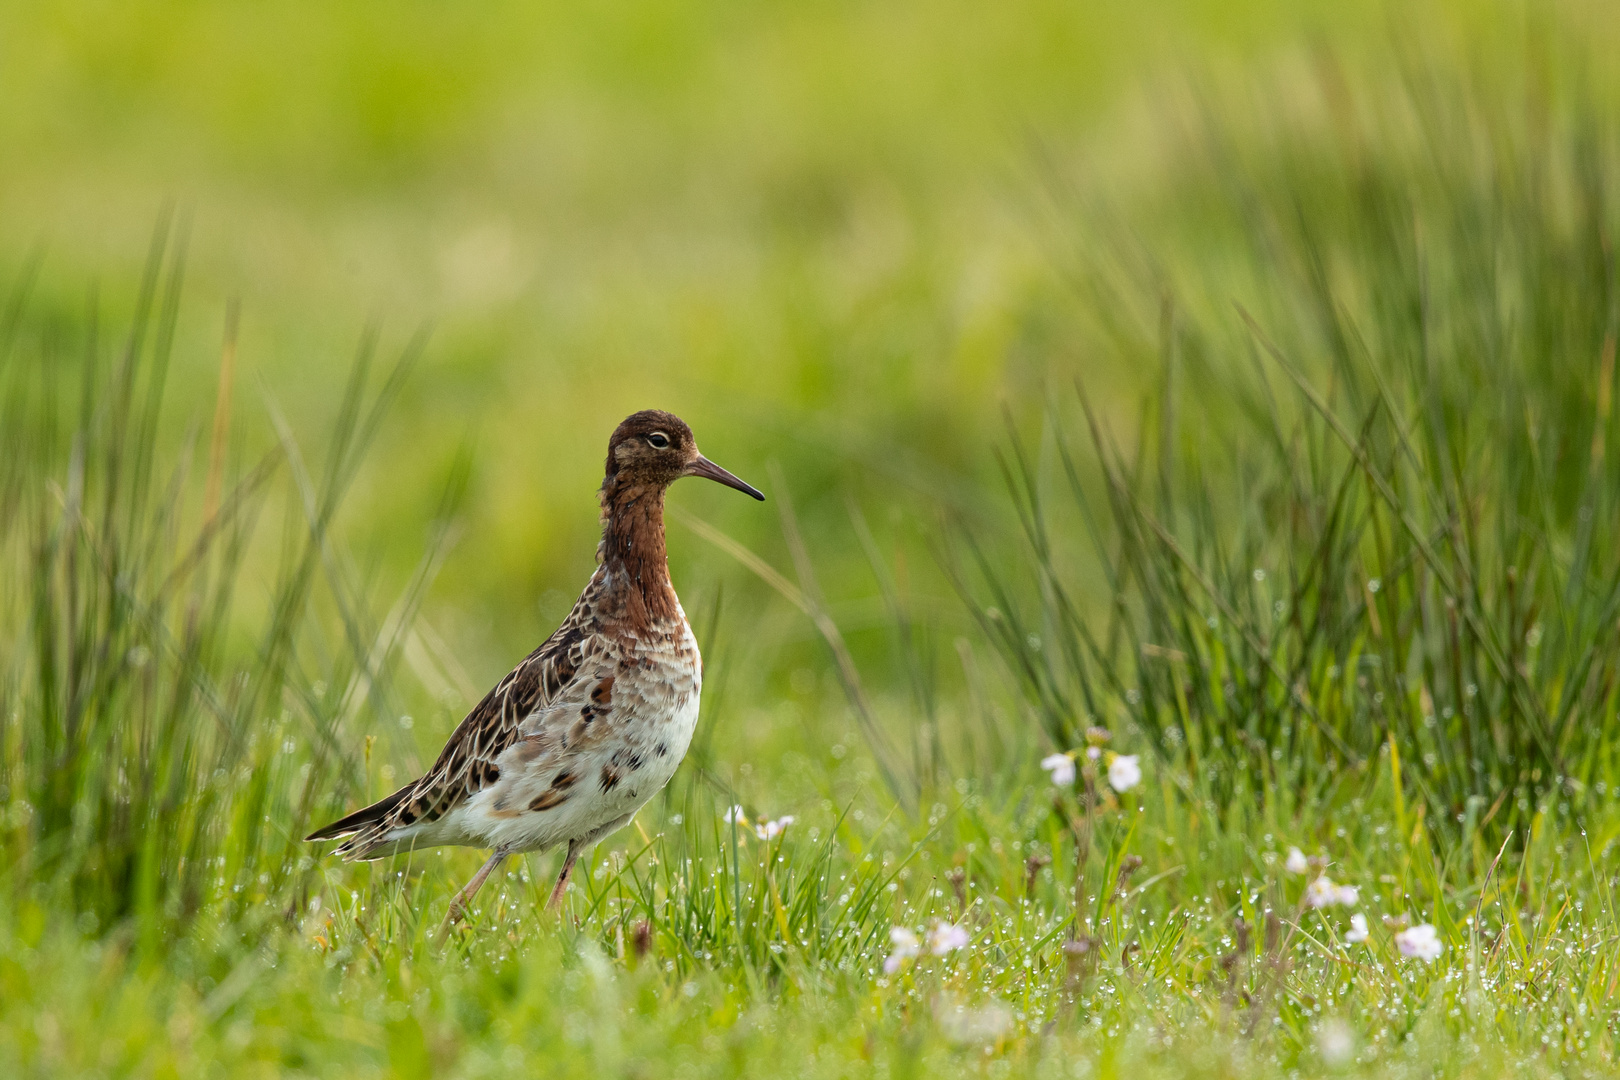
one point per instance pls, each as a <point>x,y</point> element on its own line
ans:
<point>1180,639</point>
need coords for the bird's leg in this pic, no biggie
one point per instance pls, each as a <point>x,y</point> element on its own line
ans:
<point>562,878</point>
<point>458,906</point>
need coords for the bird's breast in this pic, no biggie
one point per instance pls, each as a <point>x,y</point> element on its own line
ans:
<point>658,684</point>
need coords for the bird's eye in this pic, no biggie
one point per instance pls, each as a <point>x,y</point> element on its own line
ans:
<point>658,440</point>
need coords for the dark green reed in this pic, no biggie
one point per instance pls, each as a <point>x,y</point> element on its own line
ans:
<point>147,727</point>
<point>1373,501</point>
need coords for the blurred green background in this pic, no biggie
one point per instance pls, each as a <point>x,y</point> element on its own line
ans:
<point>820,232</point>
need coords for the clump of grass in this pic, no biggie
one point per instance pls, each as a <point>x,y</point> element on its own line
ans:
<point>146,730</point>
<point>1371,508</point>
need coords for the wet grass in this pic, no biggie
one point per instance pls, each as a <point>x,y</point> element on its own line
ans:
<point>1346,582</point>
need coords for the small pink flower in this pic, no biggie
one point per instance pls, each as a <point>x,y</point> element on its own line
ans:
<point>770,830</point>
<point>1419,942</point>
<point>904,946</point>
<point>1323,893</point>
<point>945,937</point>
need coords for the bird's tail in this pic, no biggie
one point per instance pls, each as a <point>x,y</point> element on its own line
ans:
<point>362,820</point>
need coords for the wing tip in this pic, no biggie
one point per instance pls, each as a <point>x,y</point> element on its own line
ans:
<point>358,821</point>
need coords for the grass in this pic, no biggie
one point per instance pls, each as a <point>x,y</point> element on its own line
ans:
<point>1346,581</point>
<point>1423,465</point>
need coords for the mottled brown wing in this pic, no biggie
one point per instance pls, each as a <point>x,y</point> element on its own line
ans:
<point>467,762</point>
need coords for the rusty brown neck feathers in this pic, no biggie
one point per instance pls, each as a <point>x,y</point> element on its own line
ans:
<point>633,550</point>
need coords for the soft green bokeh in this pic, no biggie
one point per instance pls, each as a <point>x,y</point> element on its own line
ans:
<point>811,229</point>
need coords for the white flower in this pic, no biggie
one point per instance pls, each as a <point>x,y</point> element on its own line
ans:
<point>770,830</point>
<point>735,816</point>
<point>1358,929</point>
<point>1093,753</point>
<point>1124,772</point>
<point>1061,766</point>
<point>1420,942</point>
<point>946,936</point>
<point>1323,893</point>
<point>1296,863</point>
<point>905,946</point>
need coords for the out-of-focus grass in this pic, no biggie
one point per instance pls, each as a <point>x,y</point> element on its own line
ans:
<point>776,220</point>
<point>737,212</point>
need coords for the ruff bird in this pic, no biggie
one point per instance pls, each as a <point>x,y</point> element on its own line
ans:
<point>593,723</point>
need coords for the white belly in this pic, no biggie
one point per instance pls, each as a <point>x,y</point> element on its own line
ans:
<point>617,764</point>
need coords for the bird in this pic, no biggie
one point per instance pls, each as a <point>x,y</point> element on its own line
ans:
<point>589,726</point>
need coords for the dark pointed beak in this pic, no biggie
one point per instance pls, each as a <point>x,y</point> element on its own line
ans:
<point>708,469</point>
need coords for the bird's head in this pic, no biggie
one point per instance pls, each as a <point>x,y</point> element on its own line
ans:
<point>654,448</point>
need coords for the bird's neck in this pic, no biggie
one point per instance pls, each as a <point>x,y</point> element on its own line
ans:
<point>633,552</point>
